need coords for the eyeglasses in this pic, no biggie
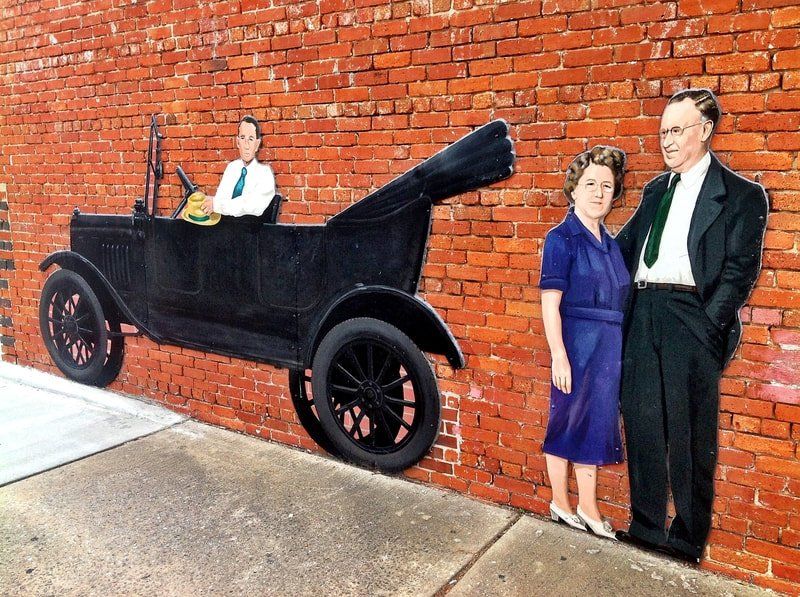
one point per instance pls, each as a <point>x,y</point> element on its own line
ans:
<point>592,185</point>
<point>677,131</point>
<point>245,139</point>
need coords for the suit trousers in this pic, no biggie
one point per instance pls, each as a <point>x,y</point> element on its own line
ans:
<point>671,368</point>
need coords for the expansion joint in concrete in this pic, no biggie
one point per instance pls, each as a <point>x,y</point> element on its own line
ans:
<point>448,586</point>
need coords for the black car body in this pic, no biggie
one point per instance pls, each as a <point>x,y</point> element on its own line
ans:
<point>253,288</point>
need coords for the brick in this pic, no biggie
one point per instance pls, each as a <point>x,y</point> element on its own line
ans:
<point>564,6</point>
<point>673,68</point>
<point>761,40</point>
<point>489,493</point>
<point>732,457</point>
<point>563,77</point>
<point>647,14</point>
<point>587,56</point>
<point>474,51</point>
<point>717,44</point>
<point>789,59</point>
<point>489,67</point>
<point>744,561</point>
<point>677,29</point>
<point>741,22</point>
<point>506,30</point>
<point>518,10</point>
<point>567,40</point>
<point>541,25</point>
<point>514,81</point>
<point>762,445</point>
<point>619,35</point>
<point>736,63</point>
<point>785,17</point>
<point>696,8</point>
<point>768,122</point>
<point>790,537</point>
<point>775,552</point>
<point>642,51</point>
<point>778,466</point>
<point>786,571</point>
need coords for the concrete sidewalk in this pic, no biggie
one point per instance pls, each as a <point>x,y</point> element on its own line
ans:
<point>47,421</point>
<point>188,509</point>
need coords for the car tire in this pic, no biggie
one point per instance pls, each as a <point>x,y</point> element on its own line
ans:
<point>74,330</point>
<point>306,411</point>
<point>114,356</point>
<point>376,395</point>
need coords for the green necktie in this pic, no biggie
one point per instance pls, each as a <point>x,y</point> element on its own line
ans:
<point>657,229</point>
<point>237,190</point>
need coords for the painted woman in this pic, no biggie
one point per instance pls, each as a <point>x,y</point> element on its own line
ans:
<point>584,285</point>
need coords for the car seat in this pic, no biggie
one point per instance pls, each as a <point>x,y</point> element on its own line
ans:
<point>270,215</point>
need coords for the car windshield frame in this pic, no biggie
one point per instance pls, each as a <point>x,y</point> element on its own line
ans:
<point>154,169</point>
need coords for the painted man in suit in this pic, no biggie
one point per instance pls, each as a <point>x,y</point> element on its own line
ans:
<point>693,248</point>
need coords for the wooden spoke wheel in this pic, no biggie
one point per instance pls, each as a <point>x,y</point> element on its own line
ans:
<point>375,394</point>
<point>300,390</point>
<point>81,343</point>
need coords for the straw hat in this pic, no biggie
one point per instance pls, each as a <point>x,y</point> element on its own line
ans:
<point>193,211</point>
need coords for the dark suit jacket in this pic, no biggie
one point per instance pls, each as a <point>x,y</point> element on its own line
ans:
<point>726,236</point>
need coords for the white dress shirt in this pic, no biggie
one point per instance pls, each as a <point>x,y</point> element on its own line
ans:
<point>673,265</point>
<point>259,189</point>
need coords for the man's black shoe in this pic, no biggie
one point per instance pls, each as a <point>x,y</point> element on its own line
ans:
<point>666,550</point>
<point>682,555</point>
<point>626,537</point>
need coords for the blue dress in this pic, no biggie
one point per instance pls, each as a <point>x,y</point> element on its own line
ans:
<point>584,425</point>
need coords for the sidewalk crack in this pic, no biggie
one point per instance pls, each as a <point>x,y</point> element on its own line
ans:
<point>453,580</point>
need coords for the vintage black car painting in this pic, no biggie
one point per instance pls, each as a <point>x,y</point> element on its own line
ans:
<point>337,299</point>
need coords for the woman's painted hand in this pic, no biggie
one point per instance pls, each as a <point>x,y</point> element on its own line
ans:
<point>562,373</point>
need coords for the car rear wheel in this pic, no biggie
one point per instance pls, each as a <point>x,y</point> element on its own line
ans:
<point>301,391</point>
<point>375,394</point>
<point>75,331</point>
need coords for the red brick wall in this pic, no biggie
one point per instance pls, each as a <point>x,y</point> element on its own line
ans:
<point>352,92</point>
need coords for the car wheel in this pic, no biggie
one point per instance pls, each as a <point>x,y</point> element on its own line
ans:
<point>299,388</point>
<point>74,328</point>
<point>114,355</point>
<point>375,394</point>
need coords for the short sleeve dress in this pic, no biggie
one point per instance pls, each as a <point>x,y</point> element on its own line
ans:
<point>584,425</point>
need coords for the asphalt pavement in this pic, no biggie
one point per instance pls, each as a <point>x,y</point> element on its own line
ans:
<point>106,494</point>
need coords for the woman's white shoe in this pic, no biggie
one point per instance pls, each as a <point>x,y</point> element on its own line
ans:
<point>557,514</point>
<point>598,527</point>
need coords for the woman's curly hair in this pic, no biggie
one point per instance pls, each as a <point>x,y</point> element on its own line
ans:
<point>602,155</point>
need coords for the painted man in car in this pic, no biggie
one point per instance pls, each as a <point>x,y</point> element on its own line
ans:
<point>247,186</point>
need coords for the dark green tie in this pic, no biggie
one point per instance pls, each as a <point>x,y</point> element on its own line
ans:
<point>654,241</point>
<point>237,190</point>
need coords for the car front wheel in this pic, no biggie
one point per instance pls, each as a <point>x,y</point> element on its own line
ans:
<point>75,331</point>
<point>375,394</point>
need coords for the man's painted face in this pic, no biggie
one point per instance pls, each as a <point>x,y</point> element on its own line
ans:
<point>683,135</point>
<point>246,142</point>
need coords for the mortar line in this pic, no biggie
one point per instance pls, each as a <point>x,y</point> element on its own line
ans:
<point>453,580</point>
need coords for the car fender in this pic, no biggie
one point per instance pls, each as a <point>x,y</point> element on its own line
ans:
<point>109,298</point>
<point>410,314</point>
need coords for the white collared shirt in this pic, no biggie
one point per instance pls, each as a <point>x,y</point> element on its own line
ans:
<point>259,189</point>
<point>673,265</point>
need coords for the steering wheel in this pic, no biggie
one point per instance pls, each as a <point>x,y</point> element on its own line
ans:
<point>189,187</point>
